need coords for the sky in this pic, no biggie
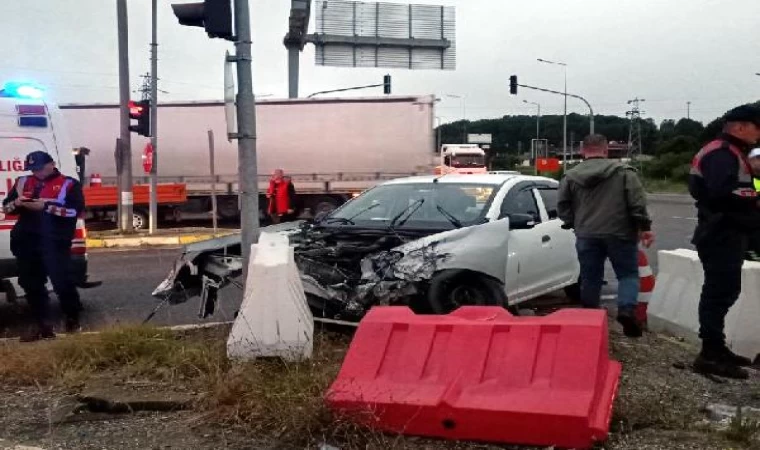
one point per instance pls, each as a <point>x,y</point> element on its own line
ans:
<point>706,52</point>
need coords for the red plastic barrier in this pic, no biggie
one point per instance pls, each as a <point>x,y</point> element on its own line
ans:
<point>481,374</point>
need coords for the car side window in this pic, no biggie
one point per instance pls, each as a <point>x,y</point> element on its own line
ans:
<point>522,202</point>
<point>549,195</point>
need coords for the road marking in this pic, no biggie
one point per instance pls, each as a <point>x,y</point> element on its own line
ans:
<point>684,218</point>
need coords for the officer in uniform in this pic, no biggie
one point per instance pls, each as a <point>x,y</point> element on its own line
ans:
<point>47,204</point>
<point>728,213</point>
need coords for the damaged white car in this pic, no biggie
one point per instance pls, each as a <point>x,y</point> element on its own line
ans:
<point>434,243</point>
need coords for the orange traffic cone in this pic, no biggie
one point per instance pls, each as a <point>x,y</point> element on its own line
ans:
<point>646,287</point>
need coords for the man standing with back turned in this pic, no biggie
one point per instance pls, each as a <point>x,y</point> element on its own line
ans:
<point>728,214</point>
<point>604,201</point>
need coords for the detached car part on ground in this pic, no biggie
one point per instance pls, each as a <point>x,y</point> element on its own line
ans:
<point>432,243</point>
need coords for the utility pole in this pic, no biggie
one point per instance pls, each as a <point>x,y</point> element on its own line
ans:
<point>688,110</point>
<point>125,153</point>
<point>564,115</point>
<point>153,207</point>
<point>246,119</point>
<point>634,127</point>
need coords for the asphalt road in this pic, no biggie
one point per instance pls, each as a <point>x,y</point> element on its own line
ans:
<point>129,277</point>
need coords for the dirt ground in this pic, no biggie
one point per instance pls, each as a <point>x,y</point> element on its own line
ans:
<point>660,405</point>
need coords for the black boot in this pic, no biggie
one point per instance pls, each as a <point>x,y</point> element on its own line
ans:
<point>731,357</point>
<point>631,326</point>
<point>715,362</point>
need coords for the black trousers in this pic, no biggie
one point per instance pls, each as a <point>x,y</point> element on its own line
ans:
<point>40,259</point>
<point>722,255</point>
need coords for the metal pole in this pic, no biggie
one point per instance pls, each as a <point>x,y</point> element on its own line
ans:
<point>125,197</point>
<point>564,126</point>
<point>153,208</point>
<point>688,110</point>
<point>246,114</point>
<point>538,122</point>
<point>213,179</point>
<point>294,55</point>
<point>464,119</point>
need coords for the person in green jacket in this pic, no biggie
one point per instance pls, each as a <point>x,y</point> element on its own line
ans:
<point>604,202</point>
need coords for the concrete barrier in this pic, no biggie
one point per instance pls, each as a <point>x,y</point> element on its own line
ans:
<point>274,319</point>
<point>675,302</point>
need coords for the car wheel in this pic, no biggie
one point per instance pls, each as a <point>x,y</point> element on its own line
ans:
<point>450,290</point>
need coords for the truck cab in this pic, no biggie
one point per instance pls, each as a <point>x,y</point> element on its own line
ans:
<point>462,158</point>
<point>28,122</point>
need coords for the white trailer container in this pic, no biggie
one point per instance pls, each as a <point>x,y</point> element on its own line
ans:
<point>333,148</point>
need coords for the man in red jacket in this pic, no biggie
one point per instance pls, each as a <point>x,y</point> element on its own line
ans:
<point>281,195</point>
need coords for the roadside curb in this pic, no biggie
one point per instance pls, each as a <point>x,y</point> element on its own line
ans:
<point>665,197</point>
<point>150,241</point>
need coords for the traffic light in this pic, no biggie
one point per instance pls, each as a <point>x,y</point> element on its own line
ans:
<point>387,84</point>
<point>513,84</point>
<point>141,112</point>
<point>213,15</point>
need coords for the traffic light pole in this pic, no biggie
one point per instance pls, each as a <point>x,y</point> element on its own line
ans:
<point>153,207</point>
<point>246,119</point>
<point>591,111</point>
<point>125,153</point>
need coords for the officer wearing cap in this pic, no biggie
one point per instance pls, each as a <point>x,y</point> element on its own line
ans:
<point>47,204</point>
<point>721,182</point>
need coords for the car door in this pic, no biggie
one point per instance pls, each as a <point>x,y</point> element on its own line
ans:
<point>562,260</point>
<point>525,255</point>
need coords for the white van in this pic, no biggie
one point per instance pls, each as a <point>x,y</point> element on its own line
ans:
<point>29,123</point>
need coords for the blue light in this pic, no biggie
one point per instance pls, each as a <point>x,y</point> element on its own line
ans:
<point>22,90</point>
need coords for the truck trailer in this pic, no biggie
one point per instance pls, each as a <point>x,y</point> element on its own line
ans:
<point>332,148</point>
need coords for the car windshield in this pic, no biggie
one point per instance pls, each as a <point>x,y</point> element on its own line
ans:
<point>468,161</point>
<point>417,206</point>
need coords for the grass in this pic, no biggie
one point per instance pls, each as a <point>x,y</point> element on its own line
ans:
<point>269,399</point>
<point>742,429</point>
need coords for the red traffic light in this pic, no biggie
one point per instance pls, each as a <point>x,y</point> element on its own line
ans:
<point>135,110</point>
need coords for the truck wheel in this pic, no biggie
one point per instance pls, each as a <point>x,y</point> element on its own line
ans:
<point>451,289</point>
<point>227,208</point>
<point>324,205</point>
<point>139,219</point>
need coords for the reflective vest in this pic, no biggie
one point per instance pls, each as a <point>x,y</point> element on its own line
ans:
<point>52,191</point>
<point>757,184</point>
<point>746,184</point>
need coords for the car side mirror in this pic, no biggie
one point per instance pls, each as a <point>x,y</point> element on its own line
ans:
<point>521,221</point>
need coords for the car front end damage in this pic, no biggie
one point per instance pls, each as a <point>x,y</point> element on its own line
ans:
<point>344,270</point>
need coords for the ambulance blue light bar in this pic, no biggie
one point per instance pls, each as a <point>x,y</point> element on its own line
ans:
<point>21,90</point>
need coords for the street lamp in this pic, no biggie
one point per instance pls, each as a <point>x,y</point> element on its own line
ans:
<point>538,117</point>
<point>464,115</point>
<point>564,117</point>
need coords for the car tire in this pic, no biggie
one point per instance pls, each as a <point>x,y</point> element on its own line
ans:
<point>451,289</point>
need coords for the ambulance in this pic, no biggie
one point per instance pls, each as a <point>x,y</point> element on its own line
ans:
<point>27,123</point>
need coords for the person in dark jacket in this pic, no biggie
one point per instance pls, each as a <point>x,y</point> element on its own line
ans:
<point>47,204</point>
<point>604,201</point>
<point>721,182</point>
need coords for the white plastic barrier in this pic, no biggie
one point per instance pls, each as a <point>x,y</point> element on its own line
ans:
<point>675,302</point>
<point>274,318</point>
